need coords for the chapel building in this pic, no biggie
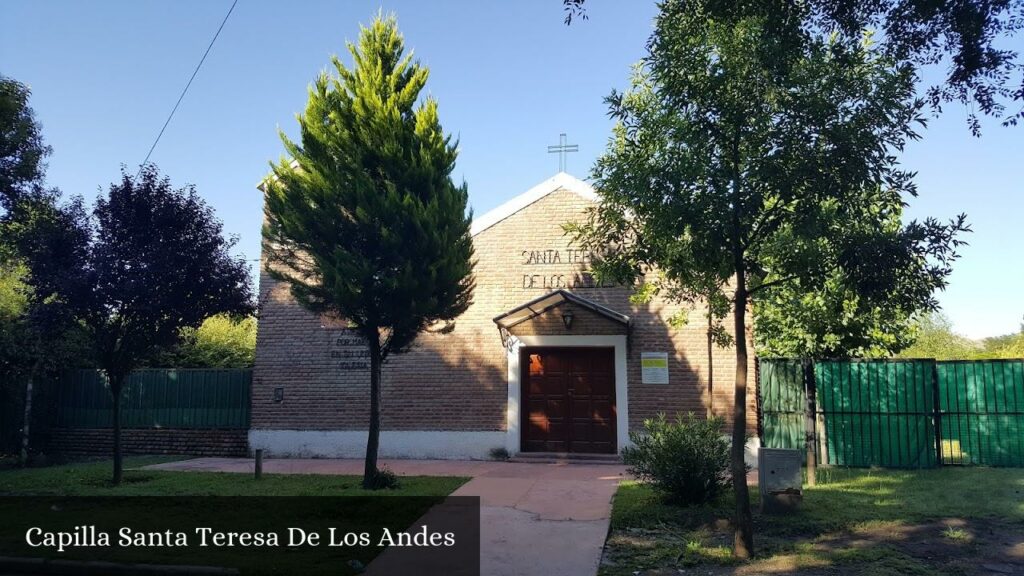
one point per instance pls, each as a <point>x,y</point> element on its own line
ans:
<point>546,359</point>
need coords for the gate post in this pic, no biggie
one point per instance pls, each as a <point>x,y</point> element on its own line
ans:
<point>936,412</point>
<point>758,405</point>
<point>810,420</point>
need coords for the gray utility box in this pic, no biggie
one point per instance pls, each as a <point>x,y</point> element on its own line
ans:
<point>779,479</point>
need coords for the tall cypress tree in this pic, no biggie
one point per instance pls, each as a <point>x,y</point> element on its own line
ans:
<point>363,220</point>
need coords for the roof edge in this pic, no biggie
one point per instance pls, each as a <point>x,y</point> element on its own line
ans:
<point>262,184</point>
<point>566,297</point>
<point>560,181</point>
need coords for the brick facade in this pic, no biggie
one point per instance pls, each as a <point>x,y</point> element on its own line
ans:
<point>458,382</point>
<point>192,442</point>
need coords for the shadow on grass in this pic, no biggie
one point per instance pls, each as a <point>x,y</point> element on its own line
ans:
<point>855,521</point>
<point>93,479</point>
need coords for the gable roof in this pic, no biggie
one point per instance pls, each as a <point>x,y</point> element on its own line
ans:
<point>542,304</point>
<point>560,181</point>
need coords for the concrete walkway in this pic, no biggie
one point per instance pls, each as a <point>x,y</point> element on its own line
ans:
<point>536,519</point>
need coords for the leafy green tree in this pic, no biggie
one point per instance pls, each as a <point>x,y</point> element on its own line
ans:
<point>151,261</point>
<point>13,309</point>
<point>1014,348</point>
<point>47,240</point>
<point>1005,346</point>
<point>834,319</point>
<point>738,158</point>
<point>831,321</point>
<point>15,354</point>
<point>38,339</point>
<point>221,341</point>
<point>933,337</point>
<point>966,38</point>
<point>37,335</point>
<point>22,150</point>
<point>363,220</point>
<point>22,347</point>
<point>22,164</point>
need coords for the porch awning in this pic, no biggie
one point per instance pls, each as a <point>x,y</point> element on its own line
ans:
<point>538,306</point>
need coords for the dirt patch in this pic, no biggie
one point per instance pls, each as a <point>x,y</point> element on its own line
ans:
<point>951,546</point>
<point>972,546</point>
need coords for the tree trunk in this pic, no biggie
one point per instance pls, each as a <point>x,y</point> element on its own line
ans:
<point>711,367</point>
<point>373,438</point>
<point>27,421</point>
<point>115,391</point>
<point>743,523</point>
<point>810,421</point>
<point>743,537</point>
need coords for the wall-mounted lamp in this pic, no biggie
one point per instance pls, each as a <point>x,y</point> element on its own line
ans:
<point>567,318</point>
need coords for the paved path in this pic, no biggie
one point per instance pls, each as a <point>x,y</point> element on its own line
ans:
<point>536,519</point>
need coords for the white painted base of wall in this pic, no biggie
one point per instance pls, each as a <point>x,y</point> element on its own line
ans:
<point>426,444</point>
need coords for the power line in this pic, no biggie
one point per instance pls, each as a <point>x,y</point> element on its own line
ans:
<point>183,92</point>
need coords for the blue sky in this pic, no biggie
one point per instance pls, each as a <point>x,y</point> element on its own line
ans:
<point>509,76</point>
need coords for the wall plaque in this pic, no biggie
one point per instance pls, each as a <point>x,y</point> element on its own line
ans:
<point>350,351</point>
<point>654,367</point>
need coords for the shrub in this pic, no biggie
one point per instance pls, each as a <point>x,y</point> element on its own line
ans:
<point>384,479</point>
<point>220,342</point>
<point>687,459</point>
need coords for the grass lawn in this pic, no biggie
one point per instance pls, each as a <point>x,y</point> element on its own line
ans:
<point>943,521</point>
<point>93,479</point>
<point>52,484</point>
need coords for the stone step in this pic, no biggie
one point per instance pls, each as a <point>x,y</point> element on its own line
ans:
<point>566,458</point>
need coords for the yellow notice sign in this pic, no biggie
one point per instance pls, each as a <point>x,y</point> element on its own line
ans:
<point>654,367</point>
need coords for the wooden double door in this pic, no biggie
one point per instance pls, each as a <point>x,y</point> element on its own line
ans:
<point>568,399</point>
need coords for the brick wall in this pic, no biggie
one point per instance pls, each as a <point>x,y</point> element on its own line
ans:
<point>198,442</point>
<point>458,381</point>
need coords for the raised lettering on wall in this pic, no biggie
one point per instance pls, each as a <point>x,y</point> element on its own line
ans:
<point>554,268</point>
<point>349,350</point>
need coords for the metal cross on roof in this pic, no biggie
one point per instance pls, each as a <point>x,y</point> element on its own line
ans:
<point>562,149</point>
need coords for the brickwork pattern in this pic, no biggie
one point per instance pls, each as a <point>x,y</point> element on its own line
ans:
<point>458,381</point>
<point>195,442</point>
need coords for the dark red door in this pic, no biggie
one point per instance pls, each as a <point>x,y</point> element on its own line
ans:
<point>568,400</point>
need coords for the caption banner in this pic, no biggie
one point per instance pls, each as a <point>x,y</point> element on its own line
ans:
<point>247,534</point>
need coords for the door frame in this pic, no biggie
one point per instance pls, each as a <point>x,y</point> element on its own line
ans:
<point>513,418</point>
<point>524,416</point>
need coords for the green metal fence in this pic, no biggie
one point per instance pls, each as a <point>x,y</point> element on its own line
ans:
<point>897,413</point>
<point>155,399</point>
<point>12,412</point>
<point>982,412</point>
<point>782,404</point>
<point>877,413</point>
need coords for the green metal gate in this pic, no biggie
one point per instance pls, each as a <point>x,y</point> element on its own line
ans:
<point>982,412</point>
<point>877,413</point>
<point>897,413</point>
<point>781,403</point>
